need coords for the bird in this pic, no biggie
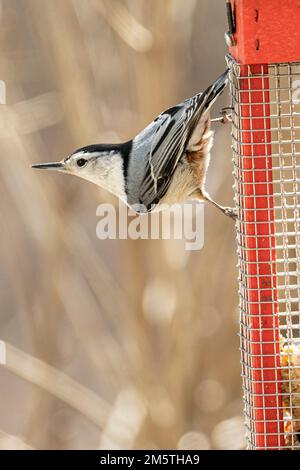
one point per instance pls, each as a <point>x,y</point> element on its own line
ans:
<point>165,164</point>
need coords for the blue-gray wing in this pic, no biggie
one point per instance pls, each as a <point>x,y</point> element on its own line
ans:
<point>170,136</point>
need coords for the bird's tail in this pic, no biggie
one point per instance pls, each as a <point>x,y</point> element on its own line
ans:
<point>201,104</point>
<point>212,92</point>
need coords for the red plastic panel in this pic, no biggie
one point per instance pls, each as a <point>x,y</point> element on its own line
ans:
<point>267,31</point>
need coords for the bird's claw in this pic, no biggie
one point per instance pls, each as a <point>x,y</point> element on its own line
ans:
<point>225,117</point>
<point>230,212</point>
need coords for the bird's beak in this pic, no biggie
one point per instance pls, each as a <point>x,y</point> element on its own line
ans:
<point>49,166</point>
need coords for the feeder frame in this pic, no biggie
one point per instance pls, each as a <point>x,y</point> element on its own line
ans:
<point>264,64</point>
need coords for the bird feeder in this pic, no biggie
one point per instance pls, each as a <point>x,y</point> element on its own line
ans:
<point>264,64</point>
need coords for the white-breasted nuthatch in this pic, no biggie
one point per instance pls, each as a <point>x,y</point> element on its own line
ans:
<point>166,163</point>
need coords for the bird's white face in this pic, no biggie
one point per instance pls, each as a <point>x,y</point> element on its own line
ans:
<point>102,168</point>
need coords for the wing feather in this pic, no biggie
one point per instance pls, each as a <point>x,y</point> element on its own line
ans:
<point>174,128</point>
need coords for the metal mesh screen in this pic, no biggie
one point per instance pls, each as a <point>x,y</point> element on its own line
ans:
<point>266,150</point>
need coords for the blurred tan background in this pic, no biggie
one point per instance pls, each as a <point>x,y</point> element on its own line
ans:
<point>110,344</point>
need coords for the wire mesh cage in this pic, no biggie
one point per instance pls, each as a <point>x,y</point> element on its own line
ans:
<point>266,159</point>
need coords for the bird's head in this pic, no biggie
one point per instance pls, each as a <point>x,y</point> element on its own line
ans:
<point>100,164</point>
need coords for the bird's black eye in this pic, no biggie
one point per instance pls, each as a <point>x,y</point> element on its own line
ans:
<point>81,162</point>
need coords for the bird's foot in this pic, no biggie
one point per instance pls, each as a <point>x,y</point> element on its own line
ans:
<point>230,212</point>
<point>224,118</point>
